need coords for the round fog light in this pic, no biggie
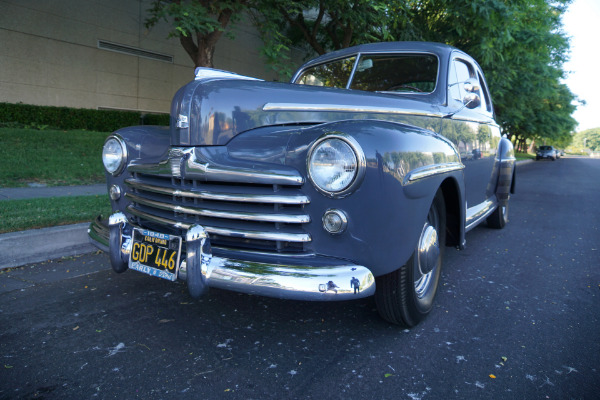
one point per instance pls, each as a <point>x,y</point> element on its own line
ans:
<point>335,221</point>
<point>115,192</point>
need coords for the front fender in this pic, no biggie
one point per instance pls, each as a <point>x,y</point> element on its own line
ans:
<point>405,166</point>
<point>143,143</point>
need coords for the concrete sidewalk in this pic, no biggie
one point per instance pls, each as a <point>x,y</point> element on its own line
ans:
<point>36,245</point>
<point>51,191</point>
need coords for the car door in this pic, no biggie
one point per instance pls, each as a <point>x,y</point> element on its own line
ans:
<point>471,128</point>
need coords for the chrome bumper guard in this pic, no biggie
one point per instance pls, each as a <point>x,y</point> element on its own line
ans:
<point>286,281</point>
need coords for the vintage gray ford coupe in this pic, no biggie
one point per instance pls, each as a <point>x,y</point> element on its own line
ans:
<point>345,183</point>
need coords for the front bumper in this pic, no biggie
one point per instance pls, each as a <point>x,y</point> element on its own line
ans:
<point>298,278</point>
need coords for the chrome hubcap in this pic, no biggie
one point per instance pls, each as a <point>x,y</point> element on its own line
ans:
<point>427,259</point>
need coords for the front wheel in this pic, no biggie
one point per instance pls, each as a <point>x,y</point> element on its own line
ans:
<point>405,296</point>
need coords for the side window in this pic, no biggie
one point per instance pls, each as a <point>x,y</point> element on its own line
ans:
<point>460,72</point>
<point>486,102</point>
<point>453,89</point>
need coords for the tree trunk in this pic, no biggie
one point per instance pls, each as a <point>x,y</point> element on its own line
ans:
<point>523,145</point>
<point>202,53</point>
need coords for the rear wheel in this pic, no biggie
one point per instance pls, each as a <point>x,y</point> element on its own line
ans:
<point>499,217</point>
<point>405,296</point>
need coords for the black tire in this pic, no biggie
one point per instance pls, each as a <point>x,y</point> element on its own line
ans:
<point>405,296</point>
<point>499,218</point>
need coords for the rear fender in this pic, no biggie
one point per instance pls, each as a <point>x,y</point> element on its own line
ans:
<point>507,171</point>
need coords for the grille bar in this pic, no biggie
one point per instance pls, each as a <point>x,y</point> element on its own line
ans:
<point>248,205</point>
<point>227,232</point>
<point>245,216</point>
<point>219,196</point>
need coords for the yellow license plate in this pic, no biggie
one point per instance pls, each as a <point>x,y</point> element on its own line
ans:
<point>155,253</point>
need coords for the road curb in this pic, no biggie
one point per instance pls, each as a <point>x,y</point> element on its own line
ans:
<point>523,162</point>
<point>36,245</point>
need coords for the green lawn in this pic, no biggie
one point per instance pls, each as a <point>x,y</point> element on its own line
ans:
<point>524,156</point>
<point>53,158</point>
<point>19,215</point>
<point>50,157</point>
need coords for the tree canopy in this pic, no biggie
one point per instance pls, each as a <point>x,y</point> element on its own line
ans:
<point>521,48</point>
<point>519,44</point>
<point>588,139</point>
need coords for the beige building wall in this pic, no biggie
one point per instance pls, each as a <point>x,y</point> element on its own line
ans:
<point>50,55</point>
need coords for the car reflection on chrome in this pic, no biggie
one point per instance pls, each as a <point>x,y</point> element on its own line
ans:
<point>345,183</point>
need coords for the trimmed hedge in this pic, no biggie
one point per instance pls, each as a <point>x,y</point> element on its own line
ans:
<point>76,118</point>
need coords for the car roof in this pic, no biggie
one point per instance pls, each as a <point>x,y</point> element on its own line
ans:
<point>438,48</point>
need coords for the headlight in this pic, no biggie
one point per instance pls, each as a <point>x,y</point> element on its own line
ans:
<point>336,164</point>
<point>114,155</point>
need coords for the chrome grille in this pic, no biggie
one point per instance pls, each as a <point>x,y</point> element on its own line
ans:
<point>245,216</point>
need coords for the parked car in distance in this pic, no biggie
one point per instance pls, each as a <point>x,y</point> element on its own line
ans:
<point>345,183</point>
<point>546,152</point>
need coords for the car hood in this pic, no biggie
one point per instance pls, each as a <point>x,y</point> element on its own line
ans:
<point>213,111</point>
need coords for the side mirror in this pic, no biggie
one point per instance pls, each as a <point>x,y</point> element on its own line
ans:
<point>472,100</point>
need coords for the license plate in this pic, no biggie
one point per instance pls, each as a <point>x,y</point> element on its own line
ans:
<point>155,253</point>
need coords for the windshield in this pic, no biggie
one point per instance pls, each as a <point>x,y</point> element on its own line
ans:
<point>334,74</point>
<point>397,73</point>
<point>545,148</point>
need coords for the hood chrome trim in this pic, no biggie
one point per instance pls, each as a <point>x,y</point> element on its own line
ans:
<point>345,108</point>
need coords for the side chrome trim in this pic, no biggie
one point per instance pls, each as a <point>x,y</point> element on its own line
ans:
<point>431,170</point>
<point>281,236</point>
<point>477,213</point>
<point>207,195</point>
<point>484,120</point>
<point>345,108</point>
<point>245,216</point>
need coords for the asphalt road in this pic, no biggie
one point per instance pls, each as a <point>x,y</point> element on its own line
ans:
<point>518,317</point>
